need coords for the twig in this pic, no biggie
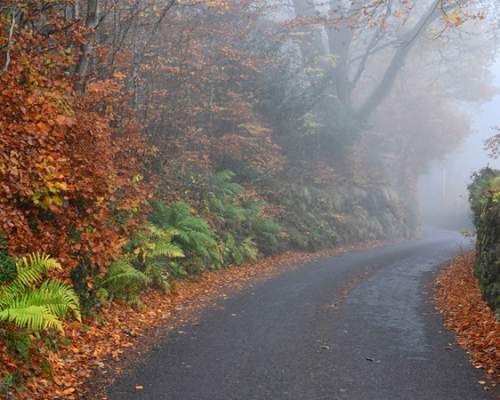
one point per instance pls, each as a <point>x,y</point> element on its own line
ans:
<point>9,43</point>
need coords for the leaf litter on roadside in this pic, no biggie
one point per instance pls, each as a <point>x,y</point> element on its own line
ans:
<point>467,315</point>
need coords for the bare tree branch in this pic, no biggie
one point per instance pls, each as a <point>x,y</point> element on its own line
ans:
<point>9,42</point>
<point>369,50</point>
<point>397,62</point>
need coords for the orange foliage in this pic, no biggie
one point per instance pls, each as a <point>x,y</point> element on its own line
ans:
<point>199,79</point>
<point>64,169</point>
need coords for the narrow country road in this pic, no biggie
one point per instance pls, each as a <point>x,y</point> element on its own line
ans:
<point>360,326</point>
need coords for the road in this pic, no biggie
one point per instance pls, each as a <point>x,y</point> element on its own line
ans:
<point>360,326</point>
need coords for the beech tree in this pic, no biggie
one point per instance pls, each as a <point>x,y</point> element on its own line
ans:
<point>354,32</point>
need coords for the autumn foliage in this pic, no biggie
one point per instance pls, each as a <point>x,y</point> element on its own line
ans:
<point>219,110</point>
<point>66,165</point>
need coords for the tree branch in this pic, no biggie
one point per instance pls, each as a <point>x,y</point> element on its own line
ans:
<point>369,50</point>
<point>397,62</point>
<point>9,43</point>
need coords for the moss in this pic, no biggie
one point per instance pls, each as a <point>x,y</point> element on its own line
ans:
<point>486,211</point>
<point>321,216</point>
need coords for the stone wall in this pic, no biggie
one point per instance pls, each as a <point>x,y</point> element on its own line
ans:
<point>317,217</point>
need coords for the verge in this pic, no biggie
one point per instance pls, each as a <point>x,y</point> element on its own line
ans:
<point>477,331</point>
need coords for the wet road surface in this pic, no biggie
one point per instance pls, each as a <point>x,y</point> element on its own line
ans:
<point>360,326</point>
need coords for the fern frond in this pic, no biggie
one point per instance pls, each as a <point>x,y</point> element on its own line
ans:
<point>37,308</point>
<point>33,317</point>
<point>191,234</point>
<point>183,237</point>
<point>32,268</point>
<point>164,233</point>
<point>59,298</point>
<point>158,277</point>
<point>54,296</point>
<point>249,249</point>
<point>194,224</point>
<point>124,281</point>
<point>222,184</point>
<point>167,249</point>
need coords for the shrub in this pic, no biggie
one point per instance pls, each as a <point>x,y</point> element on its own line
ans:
<point>479,189</point>
<point>222,186</point>
<point>485,204</point>
<point>223,202</point>
<point>154,243</point>
<point>152,251</point>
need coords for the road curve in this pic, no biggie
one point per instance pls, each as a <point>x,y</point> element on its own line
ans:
<point>360,326</point>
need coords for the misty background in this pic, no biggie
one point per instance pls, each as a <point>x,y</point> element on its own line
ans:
<point>442,190</point>
<point>328,123</point>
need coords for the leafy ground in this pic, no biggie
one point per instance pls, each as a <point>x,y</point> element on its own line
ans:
<point>99,346</point>
<point>467,315</point>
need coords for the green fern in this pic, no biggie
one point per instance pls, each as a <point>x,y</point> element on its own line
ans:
<point>35,318</point>
<point>221,185</point>
<point>34,302</point>
<point>229,248</point>
<point>193,234</point>
<point>158,276</point>
<point>242,218</point>
<point>29,271</point>
<point>249,249</point>
<point>167,249</point>
<point>152,251</point>
<point>123,281</point>
<point>265,230</point>
<point>155,242</point>
<point>238,252</point>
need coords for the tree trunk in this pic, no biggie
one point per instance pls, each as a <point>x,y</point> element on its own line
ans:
<point>91,21</point>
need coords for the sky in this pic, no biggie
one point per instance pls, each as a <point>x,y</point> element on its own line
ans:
<point>443,190</point>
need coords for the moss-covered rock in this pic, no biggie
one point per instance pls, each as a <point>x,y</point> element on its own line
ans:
<point>319,216</point>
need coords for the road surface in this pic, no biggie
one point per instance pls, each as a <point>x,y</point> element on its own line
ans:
<point>360,326</point>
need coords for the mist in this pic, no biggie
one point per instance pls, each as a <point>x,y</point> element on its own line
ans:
<point>157,157</point>
<point>442,190</point>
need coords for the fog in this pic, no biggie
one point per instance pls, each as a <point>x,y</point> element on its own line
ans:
<point>421,79</point>
<point>344,121</point>
<point>442,190</point>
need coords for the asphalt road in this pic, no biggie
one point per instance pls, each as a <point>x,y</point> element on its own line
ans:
<point>360,326</point>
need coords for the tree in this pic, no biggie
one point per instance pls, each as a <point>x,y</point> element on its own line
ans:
<point>356,31</point>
